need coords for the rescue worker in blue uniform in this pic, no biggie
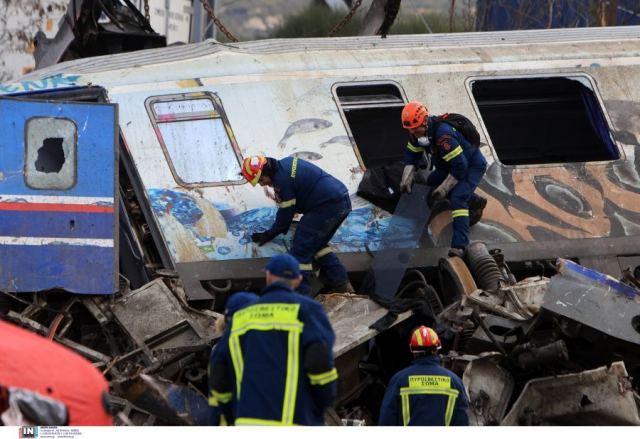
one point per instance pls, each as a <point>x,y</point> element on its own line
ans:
<point>220,394</point>
<point>459,167</point>
<point>302,187</point>
<point>425,393</point>
<point>281,352</point>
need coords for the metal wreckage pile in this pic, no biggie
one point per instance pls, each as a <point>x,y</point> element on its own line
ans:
<point>559,350</point>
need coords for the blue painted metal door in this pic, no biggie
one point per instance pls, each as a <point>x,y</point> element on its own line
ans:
<point>58,174</point>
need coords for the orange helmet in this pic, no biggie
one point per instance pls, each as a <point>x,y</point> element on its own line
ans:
<point>252,168</point>
<point>414,114</point>
<point>423,339</point>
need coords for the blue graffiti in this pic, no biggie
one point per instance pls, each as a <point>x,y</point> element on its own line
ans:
<point>251,221</point>
<point>362,229</point>
<point>177,204</point>
<point>55,81</point>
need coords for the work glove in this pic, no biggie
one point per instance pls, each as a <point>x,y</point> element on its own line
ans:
<point>408,174</point>
<point>261,238</point>
<point>440,193</point>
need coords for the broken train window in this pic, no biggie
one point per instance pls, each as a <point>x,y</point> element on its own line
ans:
<point>50,161</point>
<point>544,120</point>
<point>196,138</point>
<point>372,114</point>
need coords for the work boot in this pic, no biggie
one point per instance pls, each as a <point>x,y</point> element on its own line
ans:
<point>476,208</point>
<point>454,251</point>
<point>342,287</point>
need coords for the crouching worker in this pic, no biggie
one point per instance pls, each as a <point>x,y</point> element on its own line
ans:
<point>281,350</point>
<point>302,187</point>
<point>425,393</point>
<point>459,167</point>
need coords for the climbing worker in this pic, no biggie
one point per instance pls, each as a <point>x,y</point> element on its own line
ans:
<point>425,393</point>
<point>281,352</point>
<point>459,167</point>
<point>220,394</point>
<point>302,187</point>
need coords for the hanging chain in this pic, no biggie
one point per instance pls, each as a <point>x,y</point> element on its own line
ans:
<point>146,10</point>
<point>345,20</point>
<point>224,30</point>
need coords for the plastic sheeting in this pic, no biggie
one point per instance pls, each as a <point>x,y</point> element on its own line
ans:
<point>400,240</point>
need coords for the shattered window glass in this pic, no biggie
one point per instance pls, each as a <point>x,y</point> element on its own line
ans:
<point>51,153</point>
<point>197,140</point>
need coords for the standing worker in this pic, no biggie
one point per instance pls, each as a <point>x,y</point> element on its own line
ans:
<point>221,393</point>
<point>302,187</point>
<point>425,393</point>
<point>281,351</point>
<point>459,167</point>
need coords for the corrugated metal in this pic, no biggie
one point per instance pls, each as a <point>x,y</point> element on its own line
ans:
<point>462,40</point>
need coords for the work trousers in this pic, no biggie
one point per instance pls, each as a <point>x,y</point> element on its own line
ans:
<point>459,198</point>
<point>311,243</point>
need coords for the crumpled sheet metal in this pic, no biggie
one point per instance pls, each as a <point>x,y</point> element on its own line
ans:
<point>156,320</point>
<point>350,316</point>
<point>489,387</point>
<point>174,404</point>
<point>595,300</point>
<point>600,396</point>
<point>531,292</point>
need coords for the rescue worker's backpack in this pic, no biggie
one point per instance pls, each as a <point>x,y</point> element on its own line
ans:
<point>463,125</point>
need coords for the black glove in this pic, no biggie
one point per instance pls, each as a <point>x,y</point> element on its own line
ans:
<point>261,238</point>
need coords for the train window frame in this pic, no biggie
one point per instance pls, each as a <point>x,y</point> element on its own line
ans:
<point>32,177</point>
<point>187,116</point>
<point>367,105</point>
<point>581,77</point>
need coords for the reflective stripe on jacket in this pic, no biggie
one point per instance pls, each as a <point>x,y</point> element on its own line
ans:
<point>450,151</point>
<point>425,394</point>
<point>267,344</point>
<point>299,187</point>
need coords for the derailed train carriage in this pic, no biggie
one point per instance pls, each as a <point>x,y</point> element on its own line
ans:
<point>91,193</point>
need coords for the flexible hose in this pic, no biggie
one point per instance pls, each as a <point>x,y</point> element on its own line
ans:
<point>483,267</point>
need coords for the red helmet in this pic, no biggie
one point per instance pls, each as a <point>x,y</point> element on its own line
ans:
<point>414,114</point>
<point>424,339</point>
<point>252,168</point>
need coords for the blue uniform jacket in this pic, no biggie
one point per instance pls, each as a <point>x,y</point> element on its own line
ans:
<point>221,400</point>
<point>269,344</point>
<point>299,187</point>
<point>450,151</point>
<point>425,394</point>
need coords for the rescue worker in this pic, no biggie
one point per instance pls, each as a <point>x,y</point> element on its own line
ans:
<point>281,352</point>
<point>459,167</point>
<point>425,393</point>
<point>221,402</point>
<point>302,187</point>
